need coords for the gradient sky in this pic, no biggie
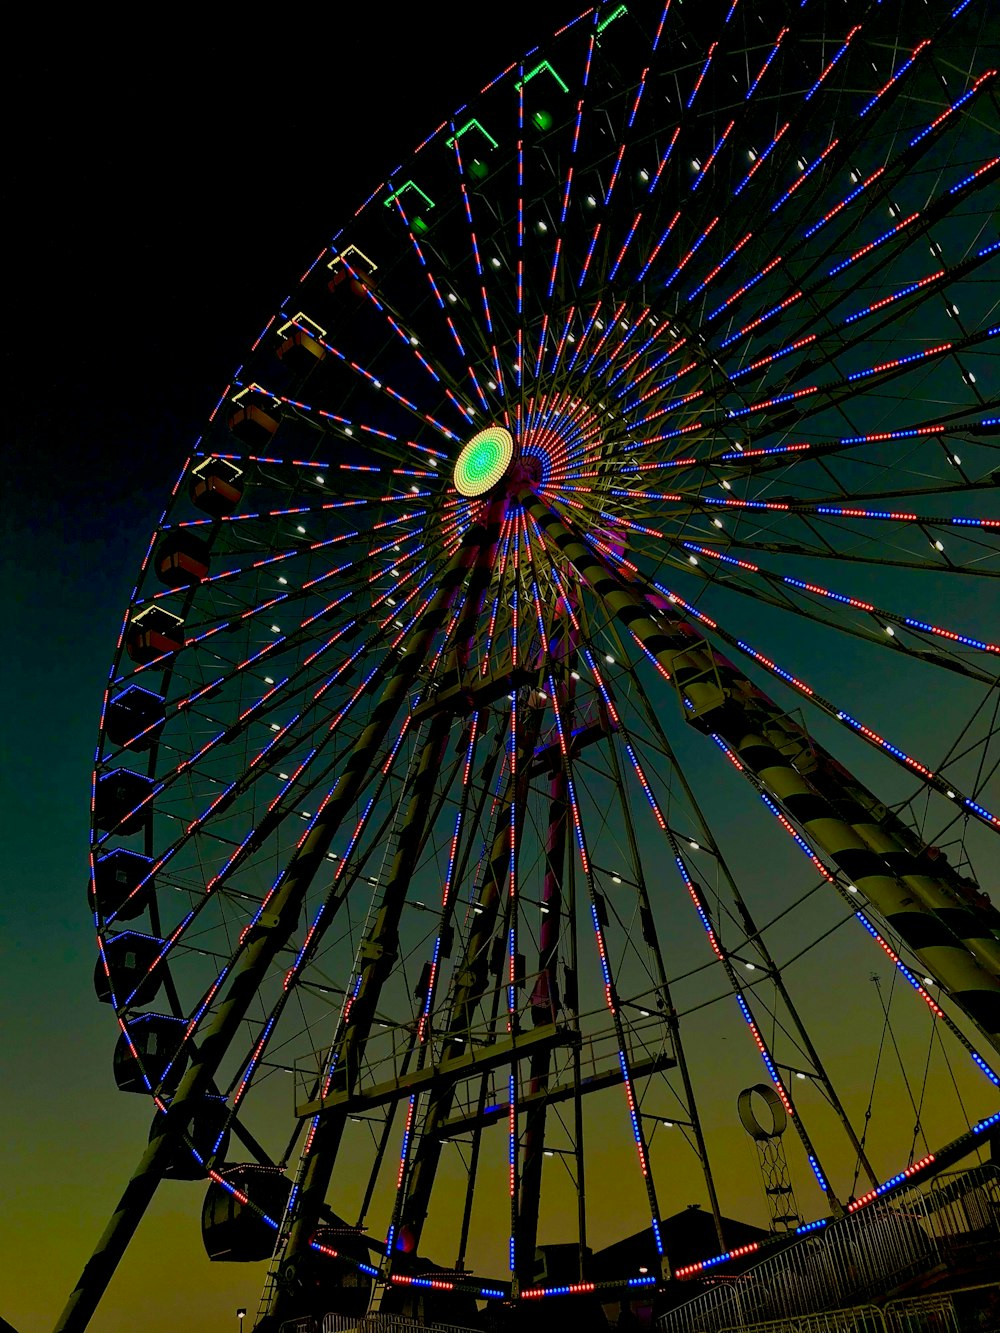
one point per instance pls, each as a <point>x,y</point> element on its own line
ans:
<point>168,191</point>
<point>150,247</point>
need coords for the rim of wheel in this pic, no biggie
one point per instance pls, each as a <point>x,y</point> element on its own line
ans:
<point>566,651</point>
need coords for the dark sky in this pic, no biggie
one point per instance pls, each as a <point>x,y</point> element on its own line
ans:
<point>165,186</point>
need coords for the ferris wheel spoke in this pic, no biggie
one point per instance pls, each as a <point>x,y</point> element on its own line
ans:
<point>747,464</point>
<point>835,518</point>
<point>224,618</point>
<point>881,633</point>
<point>247,670</point>
<point>410,225</point>
<point>864,195</point>
<point>854,558</point>
<point>485,334</point>
<point>662,992</point>
<point>941,782</point>
<point>864,324</point>
<point>278,741</point>
<point>397,323</point>
<point>882,179</point>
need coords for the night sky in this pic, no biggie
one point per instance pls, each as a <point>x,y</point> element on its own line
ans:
<point>169,188</point>
<point>165,192</point>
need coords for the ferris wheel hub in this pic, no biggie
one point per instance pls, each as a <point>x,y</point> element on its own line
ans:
<point>484,461</point>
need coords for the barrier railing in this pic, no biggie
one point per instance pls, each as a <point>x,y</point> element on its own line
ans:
<point>854,1260</point>
<point>826,1282</point>
<point>948,1312</point>
<point>383,1323</point>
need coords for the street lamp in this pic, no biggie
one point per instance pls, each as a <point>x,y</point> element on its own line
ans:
<point>241,1314</point>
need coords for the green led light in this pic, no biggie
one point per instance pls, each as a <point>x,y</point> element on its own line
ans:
<point>483,461</point>
<point>398,194</point>
<point>546,67</point>
<point>469,125</point>
<point>606,22</point>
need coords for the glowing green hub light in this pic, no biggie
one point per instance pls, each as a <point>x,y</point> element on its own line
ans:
<point>483,461</point>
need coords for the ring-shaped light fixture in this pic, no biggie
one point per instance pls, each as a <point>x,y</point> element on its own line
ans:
<point>483,461</point>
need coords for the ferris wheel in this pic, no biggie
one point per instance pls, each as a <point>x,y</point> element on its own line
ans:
<point>560,692</point>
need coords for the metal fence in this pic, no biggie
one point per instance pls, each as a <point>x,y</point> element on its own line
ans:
<point>370,1323</point>
<point>858,1319</point>
<point>854,1260</point>
<point>969,1310</point>
<point>924,1314</point>
<point>380,1323</point>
